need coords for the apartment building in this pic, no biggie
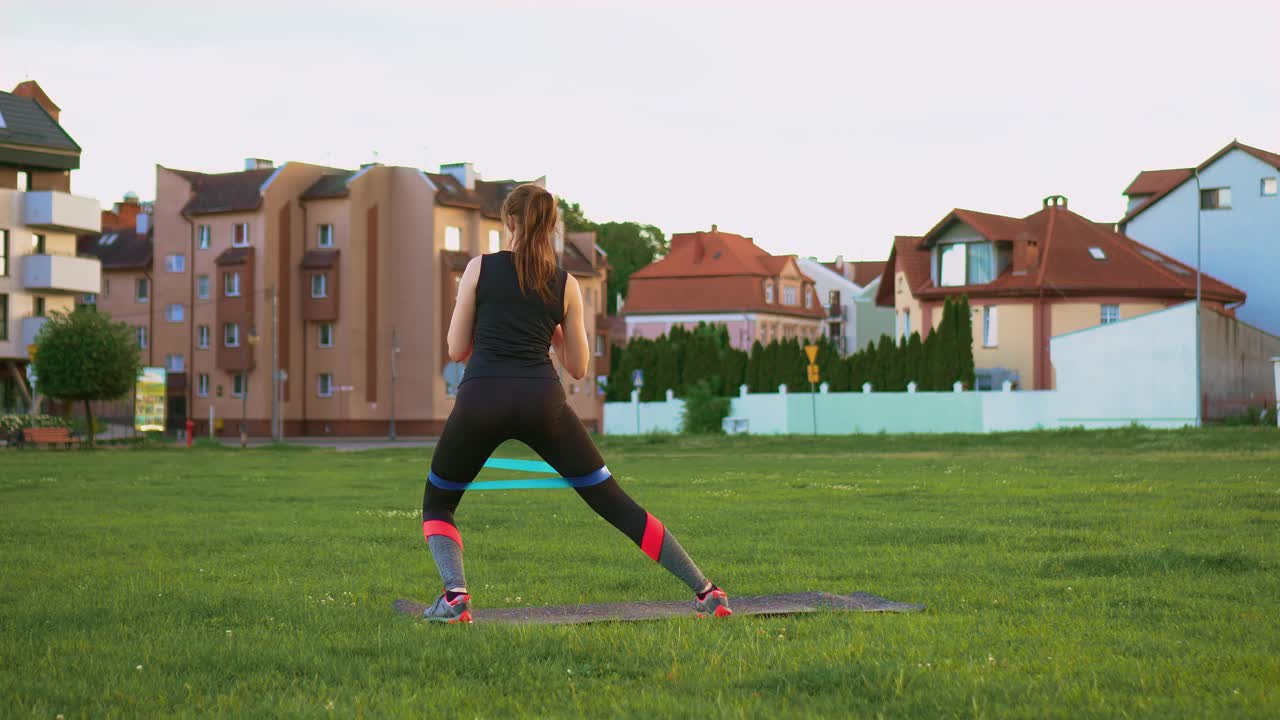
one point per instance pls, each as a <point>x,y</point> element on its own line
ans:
<point>722,278</point>
<point>39,221</point>
<point>345,277</point>
<point>848,292</point>
<point>1029,279</point>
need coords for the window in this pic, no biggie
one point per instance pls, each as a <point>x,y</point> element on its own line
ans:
<point>324,385</point>
<point>202,337</point>
<point>240,235</point>
<point>231,335</point>
<point>319,285</point>
<point>142,289</point>
<point>88,299</point>
<point>990,326</point>
<point>1268,186</point>
<point>768,291</point>
<point>239,384</point>
<point>324,235</point>
<point>106,288</point>
<point>174,313</point>
<point>808,297</point>
<point>37,306</point>
<point>1215,199</point>
<point>599,346</point>
<point>202,385</point>
<point>1110,314</point>
<point>202,287</point>
<point>38,244</point>
<point>4,253</point>
<point>24,181</point>
<point>231,284</point>
<point>952,271</point>
<point>326,335</point>
<point>452,238</point>
<point>966,264</point>
<point>4,317</point>
<point>202,237</point>
<point>175,363</point>
<point>833,297</point>
<point>175,263</point>
<point>141,334</point>
<point>906,324</point>
<point>1097,253</point>
<point>495,241</point>
<point>788,296</point>
<point>586,299</point>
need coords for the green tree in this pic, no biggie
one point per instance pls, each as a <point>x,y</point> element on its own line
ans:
<point>83,355</point>
<point>913,359</point>
<point>574,219</point>
<point>964,344</point>
<point>754,360</point>
<point>630,246</point>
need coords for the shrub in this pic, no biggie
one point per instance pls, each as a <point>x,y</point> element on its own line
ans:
<point>13,423</point>
<point>704,411</point>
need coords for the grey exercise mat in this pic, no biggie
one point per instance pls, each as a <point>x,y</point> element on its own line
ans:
<point>785,604</point>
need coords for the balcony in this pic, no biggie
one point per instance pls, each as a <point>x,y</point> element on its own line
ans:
<point>835,310</point>
<point>61,212</point>
<point>61,274</point>
<point>30,327</point>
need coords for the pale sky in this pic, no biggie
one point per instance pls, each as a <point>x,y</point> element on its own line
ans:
<point>817,128</point>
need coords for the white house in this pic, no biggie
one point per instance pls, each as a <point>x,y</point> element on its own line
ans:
<point>853,318</point>
<point>1231,200</point>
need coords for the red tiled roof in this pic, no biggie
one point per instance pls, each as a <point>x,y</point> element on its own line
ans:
<point>225,192</point>
<point>123,249</point>
<point>864,271</point>
<point>1158,183</point>
<point>1065,266</point>
<point>907,256</point>
<point>712,272</point>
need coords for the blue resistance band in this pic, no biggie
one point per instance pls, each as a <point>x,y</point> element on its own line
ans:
<point>535,466</point>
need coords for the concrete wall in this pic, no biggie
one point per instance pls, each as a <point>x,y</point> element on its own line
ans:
<point>1239,246</point>
<point>1237,369</point>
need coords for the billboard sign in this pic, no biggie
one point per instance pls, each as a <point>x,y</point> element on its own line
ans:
<point>149,400</point>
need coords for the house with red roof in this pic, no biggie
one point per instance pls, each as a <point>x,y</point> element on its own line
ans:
<point>722,278</point>
<point>1231,203</point>
<point>848,292</point>
<point>1029,279</point>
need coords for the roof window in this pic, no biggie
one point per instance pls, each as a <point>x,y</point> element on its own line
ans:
<point>2,120</point>
<point>107,239</point>
<point>1097,253</point>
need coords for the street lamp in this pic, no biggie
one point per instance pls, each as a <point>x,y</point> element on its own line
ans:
<point>244,387</point>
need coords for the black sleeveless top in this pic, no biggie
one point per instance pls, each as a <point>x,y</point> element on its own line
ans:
<point>513,329</point>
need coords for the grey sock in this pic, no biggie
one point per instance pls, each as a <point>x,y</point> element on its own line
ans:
<point>678,563</point>
<point>448,557</point>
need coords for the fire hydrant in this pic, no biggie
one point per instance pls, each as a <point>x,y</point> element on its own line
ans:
<point>191,430</point>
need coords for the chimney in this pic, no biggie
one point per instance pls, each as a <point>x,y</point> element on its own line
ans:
<point>464,173</point>
<point>31,90</point>
<point>1026,253</point>
<point>715,228</point>
<point>258,164</point>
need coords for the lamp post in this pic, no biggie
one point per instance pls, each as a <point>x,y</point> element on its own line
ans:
<point>244,388</point>
<point>1199,380</point>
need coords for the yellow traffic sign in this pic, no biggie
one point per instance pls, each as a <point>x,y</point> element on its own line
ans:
<point>31,351</point>
<point>812,352</point>
<point>813,373</point>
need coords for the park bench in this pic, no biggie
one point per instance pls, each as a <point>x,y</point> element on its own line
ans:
<point>48,436</point>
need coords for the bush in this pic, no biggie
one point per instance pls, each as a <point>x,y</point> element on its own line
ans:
<point>704,411</point>
<point>1253,415</point>
<point>13,423</point>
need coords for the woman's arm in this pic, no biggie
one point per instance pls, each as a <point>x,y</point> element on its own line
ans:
<point>576,351</point>
<point>462,325</point>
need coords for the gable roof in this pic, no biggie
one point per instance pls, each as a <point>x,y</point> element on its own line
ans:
<point>329,186</point>
<point>117,249</point>
<point>715,254</point>
<point>1158,183</point>
<point>574,261</point>
<point>224,192</point>
<point>34,137</point>
<point>865,271</point>
<point>1065,266</point>
<point>487,197</point>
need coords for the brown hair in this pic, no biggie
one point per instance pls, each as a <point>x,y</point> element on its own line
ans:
<point>534,211</point>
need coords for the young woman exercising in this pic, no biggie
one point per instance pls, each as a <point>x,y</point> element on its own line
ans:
<point>512,306</point>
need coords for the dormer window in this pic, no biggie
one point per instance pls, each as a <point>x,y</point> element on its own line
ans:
<point>1097,253</point>
<point>788,296</point>
<point>966,263</point>
<point>768,291</point>
<point>808,297</point>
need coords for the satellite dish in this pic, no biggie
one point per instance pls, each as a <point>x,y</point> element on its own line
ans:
<point>453,375</point>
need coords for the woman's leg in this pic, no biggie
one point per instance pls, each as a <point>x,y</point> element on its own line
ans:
<point>473,431</point>
<point>559,437</point>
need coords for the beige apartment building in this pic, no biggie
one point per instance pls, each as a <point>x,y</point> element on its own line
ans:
<point>1029,279</point>
<point>39,221</point>
<point>359,270</point>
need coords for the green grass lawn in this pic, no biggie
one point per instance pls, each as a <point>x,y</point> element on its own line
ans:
<point>1115,574</point>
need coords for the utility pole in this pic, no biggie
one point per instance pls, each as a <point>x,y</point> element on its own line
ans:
<point>275,366</point>
<point>1199,389</point>
<point>395,350</point>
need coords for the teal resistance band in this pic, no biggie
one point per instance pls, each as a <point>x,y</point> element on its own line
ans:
<point>533,466</point>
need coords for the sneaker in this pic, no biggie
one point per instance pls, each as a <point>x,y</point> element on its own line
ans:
<point>714,601</point>
<point>443,610</point>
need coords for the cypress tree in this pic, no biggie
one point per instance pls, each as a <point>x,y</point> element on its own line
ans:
<point>913,360</point>
<point>753,366</point>
<point>967,369</point>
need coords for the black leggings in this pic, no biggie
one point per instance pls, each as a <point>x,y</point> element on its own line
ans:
<point>489,411</point>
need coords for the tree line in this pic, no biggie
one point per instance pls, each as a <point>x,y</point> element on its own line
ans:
<point>683,359</point>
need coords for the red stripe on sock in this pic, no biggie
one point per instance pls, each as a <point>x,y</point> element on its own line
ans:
<point>652,542</point>
<point>440,527</point>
